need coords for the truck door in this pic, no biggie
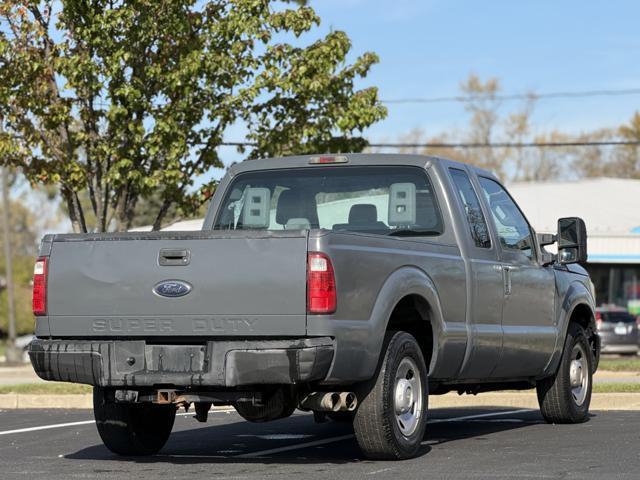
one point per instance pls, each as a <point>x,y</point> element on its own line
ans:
<point>484,314</point>
<point>528,313</point>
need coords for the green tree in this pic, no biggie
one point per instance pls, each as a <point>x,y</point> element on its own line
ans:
<point>123,102</point>
<point>627,163</point>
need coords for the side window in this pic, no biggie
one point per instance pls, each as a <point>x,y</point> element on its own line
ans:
<point>469,199</point>
<point>513,230</point>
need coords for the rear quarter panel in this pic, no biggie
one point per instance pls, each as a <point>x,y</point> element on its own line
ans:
<point>373,274</point>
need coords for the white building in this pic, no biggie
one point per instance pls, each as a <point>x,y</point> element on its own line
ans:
<point>610,208</point>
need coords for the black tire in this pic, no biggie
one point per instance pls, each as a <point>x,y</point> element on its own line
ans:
<point>375,423</point>
<point>132,429</point>
<point>557,402</point>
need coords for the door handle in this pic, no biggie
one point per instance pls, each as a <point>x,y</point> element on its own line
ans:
<point>168,257</point>
<point>507,269</point>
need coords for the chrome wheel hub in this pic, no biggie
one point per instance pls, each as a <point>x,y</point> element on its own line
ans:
<point>404,396</point>
<point>576,373</point>
<point>579,375</point>
<point>407,398</point>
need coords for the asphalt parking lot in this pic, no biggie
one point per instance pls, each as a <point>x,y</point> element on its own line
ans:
<point>460,444</point>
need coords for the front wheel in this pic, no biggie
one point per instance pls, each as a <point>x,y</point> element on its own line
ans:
<point>132,429</point>
<point>565,397</point>
<point>392,416</point>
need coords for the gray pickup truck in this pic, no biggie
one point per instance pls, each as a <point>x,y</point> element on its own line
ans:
<point>353,286</point>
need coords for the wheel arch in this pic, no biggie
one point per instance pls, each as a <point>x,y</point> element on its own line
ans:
<point>578,306</point>
<point>409,289</point>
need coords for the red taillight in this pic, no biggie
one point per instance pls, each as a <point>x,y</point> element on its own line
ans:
<point>39,302</point>
<point>598,319</point>
<point>321,284</point>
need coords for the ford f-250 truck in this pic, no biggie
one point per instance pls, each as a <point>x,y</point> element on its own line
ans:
<point>353,286</point>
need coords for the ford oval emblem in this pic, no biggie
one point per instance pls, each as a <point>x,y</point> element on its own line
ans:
<point>172,288</point>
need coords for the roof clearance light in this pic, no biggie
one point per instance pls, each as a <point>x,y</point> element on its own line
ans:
<point>328,159</point>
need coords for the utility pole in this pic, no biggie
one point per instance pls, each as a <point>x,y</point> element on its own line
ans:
<point>12,355</point>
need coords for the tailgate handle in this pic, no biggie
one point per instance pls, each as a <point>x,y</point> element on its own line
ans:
<point>169,257</point>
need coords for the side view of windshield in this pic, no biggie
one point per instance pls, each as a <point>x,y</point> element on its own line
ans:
<point>385,200</point>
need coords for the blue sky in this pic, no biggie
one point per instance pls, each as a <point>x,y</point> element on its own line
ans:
<point>427,47</point>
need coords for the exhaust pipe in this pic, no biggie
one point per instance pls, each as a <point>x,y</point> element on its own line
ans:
<point>330,402</point>
<point>349,401</point>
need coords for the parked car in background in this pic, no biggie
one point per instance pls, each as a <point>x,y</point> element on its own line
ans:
<point>618,330</point>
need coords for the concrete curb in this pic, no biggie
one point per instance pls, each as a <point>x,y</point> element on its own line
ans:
<point>599,401</point>
<point>24,400</point>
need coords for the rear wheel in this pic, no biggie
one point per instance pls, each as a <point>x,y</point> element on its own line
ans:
<point>132,429</point>
<point>392,416</point>
<point>565,397</point>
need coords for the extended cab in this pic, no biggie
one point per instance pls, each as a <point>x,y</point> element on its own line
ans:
<point>352,286</point>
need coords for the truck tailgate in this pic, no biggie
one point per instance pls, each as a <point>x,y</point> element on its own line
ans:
<point>242,283</point>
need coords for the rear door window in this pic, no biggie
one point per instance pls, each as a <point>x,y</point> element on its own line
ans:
<point>469,199</point>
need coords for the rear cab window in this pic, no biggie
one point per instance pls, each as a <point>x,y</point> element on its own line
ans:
<point>383,200</point>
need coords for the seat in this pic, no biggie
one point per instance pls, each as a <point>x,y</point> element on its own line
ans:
<point>296,207</point>
<point>362,217</point>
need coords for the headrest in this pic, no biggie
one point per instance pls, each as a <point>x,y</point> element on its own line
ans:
<point>293,204</point>
<point>363,213</point>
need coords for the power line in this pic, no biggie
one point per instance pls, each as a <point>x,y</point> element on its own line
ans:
<point>484,96</point>
<point>517,96</point>
<point>604,143</point>
<point>479,145</point>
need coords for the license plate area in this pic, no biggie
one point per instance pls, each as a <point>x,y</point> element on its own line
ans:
<point>175,358</point>
<point>621,330</point>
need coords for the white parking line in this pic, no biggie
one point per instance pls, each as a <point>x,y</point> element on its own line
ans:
<point>271,451</point>
<point>75,424</point>
<point>297,446</point>
<point>47,427</point>
<point>480,415</point>
<point>325,441</point>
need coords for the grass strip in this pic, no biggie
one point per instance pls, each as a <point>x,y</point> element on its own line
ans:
<point>620,364</point>
<point>616,388</point>
<point>49,388</point>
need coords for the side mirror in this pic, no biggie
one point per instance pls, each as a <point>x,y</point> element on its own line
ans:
<point>572,240</point>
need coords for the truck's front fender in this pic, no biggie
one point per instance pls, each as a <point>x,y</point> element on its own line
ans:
<point>573,294</point>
